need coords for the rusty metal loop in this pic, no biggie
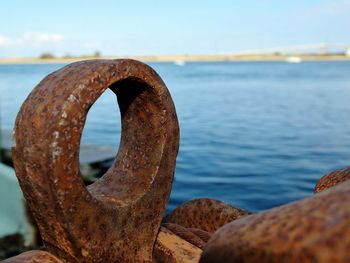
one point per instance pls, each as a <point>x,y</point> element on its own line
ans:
<point>116,218</point>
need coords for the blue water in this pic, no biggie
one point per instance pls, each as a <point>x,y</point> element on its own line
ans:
<point>253,134</point>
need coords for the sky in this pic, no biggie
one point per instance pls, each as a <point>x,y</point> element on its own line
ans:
<point>154,27</point>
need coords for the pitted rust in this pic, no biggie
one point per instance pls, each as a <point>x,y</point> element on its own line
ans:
<point>204,235</point>
<point>332,179</point>
<point>205,214</point>
<point>170,248</point>
<point>34,256</point>
<point>185,234</point>
<point>117,218</point>
<point>315,229</point>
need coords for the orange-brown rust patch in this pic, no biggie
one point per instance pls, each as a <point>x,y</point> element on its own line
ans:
<point>332,179</point>
<point>34,256</point>
<point>170,248</point>
<point>205,214</point>
<point>315,229</point>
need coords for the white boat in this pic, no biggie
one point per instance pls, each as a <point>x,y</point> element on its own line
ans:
<point>347,53</point>
<point>293,59</point>
<point>179,63</point>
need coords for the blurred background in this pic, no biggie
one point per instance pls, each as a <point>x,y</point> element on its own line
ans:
<point>261,88</point>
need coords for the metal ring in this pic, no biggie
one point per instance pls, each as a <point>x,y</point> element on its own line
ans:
<point>116,218</point>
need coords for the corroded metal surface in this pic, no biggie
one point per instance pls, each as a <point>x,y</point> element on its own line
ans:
<point>332,179</point>
<point>170,248</point>
<point>117,218</point>
<point>206,214</point>
<point>34,256</point>
<point>315,229</point>
<point>204,235</point>
<point>185,234</point>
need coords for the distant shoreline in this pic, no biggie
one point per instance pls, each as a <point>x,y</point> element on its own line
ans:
<point>180,58</point>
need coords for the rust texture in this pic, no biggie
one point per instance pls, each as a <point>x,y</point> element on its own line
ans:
<point>170,248</point>
<point>34,256</point>
<point>205,214</point>
<point>204,235</point>
<point>117,218</point>
<point>332,179</point>
<point>315,229</point>
<point>185,234</point>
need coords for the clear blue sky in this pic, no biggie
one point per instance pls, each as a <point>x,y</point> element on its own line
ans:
<point>130,27</point>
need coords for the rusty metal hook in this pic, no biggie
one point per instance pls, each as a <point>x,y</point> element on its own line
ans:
<point>80,224</point>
